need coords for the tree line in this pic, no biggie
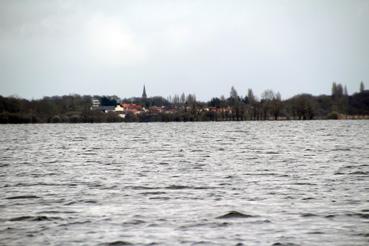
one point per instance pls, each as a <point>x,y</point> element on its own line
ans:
<point>270,106</point>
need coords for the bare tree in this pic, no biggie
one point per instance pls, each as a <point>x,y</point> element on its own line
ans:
<point>183,99</point>
<point>334,89</point>
<point>276,105</point>
<point>234,101</point>
<point>176,100</point>
<point>233,93</point>
<point>266,102</point>
<point>362,88</point>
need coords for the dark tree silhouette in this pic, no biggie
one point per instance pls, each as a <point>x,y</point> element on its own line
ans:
<point>362,88</point>
<point>75,108</point>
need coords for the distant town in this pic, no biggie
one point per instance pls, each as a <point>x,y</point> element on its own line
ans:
<point>154,105</point>
<point>235,107</point>
<point>133,106</point>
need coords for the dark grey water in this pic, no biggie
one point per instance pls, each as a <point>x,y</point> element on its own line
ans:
<point>256,183</point>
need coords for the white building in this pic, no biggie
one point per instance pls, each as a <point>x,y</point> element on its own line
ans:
<point>95,103</point>
<point>118,108</point>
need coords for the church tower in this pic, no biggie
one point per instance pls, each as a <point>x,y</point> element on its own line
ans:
<point>144,96</point>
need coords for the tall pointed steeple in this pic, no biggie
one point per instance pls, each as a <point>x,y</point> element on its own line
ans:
<point>144,96</point>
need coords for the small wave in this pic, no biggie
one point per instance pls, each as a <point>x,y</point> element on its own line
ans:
<point>360,215</point>
<point>153,225</point>
<point>338,173</point>
<point>284,244</point>
<point>341,149</point>
<point>23,197</point>
<point>181,187</point>
<point>235,214</point>
<point>153,193</point>
<point>316,232</point>
<point>76,223</point>
<point>308,198</point>
<point>359,173</point>
<point>56,212</point>
<point>69,203</point>
<point>37,184</point>
<point>303,183</point>
<point>211,225</point>
<point>272,153</point>
<point>80,201</point>
<point>7,229</point>
<point>159,198</point>
<point>163,163</point>
<point>88,153</point>
<point>34,218</point>
<point>134,222</point>
<point>308,215</point>
<point>117,243</point>
<point>265,174</point>
<point>142,187</point>
<point>262,221</point>
<point>348,167</point>
<point>196,150</point>
<point>177,187</point>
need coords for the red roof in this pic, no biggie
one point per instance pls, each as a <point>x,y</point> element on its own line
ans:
<point>131,106</point>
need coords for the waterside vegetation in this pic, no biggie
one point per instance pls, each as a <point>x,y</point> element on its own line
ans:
<point>236,107</point>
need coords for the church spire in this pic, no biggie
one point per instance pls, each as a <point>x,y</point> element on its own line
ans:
<point>144,96</point>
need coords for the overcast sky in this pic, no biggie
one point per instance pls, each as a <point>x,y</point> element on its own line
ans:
<point>203,47</point>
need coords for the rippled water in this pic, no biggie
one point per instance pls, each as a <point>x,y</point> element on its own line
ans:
<point>230,183</point>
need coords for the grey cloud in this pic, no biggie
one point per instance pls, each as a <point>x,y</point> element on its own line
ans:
<point>204,47</point>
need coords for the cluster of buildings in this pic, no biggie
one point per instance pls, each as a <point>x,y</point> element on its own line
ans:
<point>124,108</point>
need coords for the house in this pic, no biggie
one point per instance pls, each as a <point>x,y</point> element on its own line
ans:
<point>119,108</point>
<point>132,108</point>
<point>155,109</point>
<point>170,111</point>
<point>95,103</point>
<point>106,109</point>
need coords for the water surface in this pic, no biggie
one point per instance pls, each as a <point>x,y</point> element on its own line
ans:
<point>224,183</point>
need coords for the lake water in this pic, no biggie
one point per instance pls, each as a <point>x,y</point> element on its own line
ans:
<point>226,183</point>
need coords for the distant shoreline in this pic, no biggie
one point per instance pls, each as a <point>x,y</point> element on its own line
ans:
<point>185,108</point>
<point>363,118</point>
